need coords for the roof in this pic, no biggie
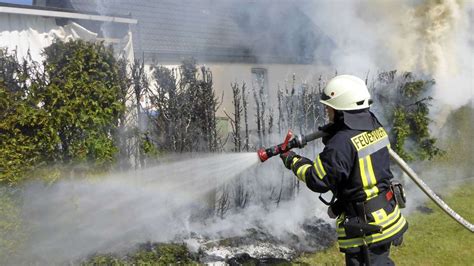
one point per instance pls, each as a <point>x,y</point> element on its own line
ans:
<point>212,30</point>
<point>60,13</point>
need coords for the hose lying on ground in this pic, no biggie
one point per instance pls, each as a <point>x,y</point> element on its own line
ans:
<point>430,193</point>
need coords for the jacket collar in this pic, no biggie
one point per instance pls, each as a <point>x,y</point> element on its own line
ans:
<point>363,120</point>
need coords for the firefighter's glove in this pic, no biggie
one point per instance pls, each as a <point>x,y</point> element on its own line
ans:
<point>288,157</point>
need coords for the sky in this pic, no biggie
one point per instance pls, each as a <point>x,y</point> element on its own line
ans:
<point>20,2</point>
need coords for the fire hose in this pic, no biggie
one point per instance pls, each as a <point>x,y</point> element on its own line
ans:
<point>299,141</point>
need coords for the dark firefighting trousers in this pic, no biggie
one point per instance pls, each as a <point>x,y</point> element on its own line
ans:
<point>378,256</point>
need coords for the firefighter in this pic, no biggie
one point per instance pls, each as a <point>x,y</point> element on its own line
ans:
<point>354,165</point>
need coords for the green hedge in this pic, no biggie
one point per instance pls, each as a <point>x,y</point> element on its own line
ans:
<point>64,111</point>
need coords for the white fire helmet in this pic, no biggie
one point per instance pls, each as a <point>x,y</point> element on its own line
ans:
<point>346,92</point>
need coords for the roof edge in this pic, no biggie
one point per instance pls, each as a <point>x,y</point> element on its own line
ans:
<point>61,13</point>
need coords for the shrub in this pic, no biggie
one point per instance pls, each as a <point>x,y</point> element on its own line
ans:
<point>65,111</point>
<point>406,110</point>
<point>83,98</point>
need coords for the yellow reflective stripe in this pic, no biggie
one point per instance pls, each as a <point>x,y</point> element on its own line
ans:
<point>388,219</point>
<point>373,180</point>
<point>340,219</point>
<point>318,172</point>
<point>368,177</point>
<point>379,216</point>
<point>371,171</point>
<point>295,160</point>
<point>386,233</point>
<point>373,191</point>
<point>362,173</point>
<point>363,176</point>
<point>301,173</point>
<point>321,166</point>
<point>341,232</point>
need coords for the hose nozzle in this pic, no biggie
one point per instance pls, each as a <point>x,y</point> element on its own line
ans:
<point>291,141</point>
<point>262,155</point>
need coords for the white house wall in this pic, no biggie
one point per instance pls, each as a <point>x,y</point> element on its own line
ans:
<point>277,75</point>
<point>25,33</point>
<point>224,74</point>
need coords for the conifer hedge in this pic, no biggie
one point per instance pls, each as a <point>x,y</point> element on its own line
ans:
<point>62,112</point>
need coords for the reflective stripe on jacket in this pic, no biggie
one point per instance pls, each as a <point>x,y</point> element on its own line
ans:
<point>355,166</point>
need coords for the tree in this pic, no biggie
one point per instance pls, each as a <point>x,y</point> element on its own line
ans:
<point>83,98</point>
<point>124,135</point>
<point>406,108</point>
<point>65,111</point>
<point>235,121</point>
<point>27,137</point>
<point>186,105</point>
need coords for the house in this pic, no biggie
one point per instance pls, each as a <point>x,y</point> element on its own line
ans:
<point>28,29</point>
<point>257,42</point>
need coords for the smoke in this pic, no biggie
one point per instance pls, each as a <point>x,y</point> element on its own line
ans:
<point>435,38</point>
<point>75,218</point>
<point>432,38</point>
<point>429,37</point>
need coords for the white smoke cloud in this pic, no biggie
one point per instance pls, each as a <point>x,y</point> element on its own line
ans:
<point>435,38</point>
<point>75,218</point>
<point>358,44</point>
<point>432,38</point>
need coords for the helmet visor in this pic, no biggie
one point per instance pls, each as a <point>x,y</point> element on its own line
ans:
<point>325,97</point>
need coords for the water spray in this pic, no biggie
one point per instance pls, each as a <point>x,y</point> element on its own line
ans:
<point>299,141</point>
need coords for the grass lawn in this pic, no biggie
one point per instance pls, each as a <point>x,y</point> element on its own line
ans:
<point>432,239</point>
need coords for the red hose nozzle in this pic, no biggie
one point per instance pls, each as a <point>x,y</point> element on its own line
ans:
<point>291,141</point>
<point>262,155</point>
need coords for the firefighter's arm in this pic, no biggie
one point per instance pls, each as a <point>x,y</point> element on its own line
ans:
<point>330,167</point>
<point>304,168</point>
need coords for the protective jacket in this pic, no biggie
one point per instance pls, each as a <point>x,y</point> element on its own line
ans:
<point>354,165</point>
